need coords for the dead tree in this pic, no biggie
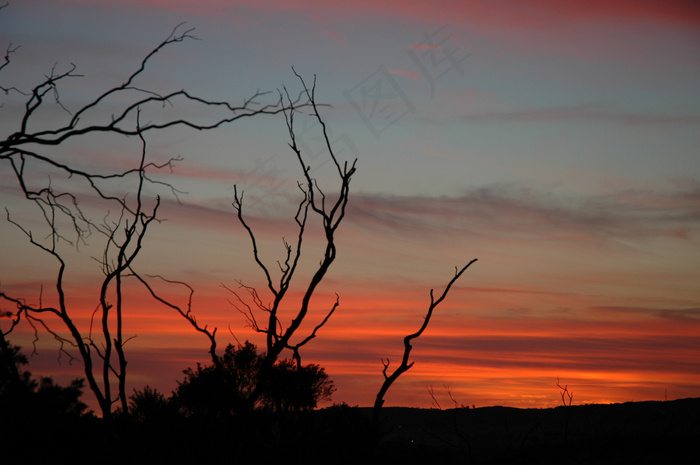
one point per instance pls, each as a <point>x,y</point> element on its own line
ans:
<point>26,151</point>
<point>567,397</point>
<point>185,313</point>
<point>313,204</point>
<point>405,365</point>
<point>124,239</point>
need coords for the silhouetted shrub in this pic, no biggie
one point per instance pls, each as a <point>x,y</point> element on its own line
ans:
<point>24,396</point>
<point>52,399</point>
<point>295,389</point>
<point>150,405</point>
<point>236,385</point>
<point>213,391</point>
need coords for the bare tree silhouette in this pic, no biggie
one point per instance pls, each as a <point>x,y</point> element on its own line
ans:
<point>101,346</point>
<point>26,151</point>
<point>279,337</point>
<point>405,365</point>
<point>330,214</point>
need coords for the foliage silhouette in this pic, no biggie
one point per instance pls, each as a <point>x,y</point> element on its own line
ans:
<point>155,431</point>
<point>295,388</point>
<point>150,405</point>
<point>227,388</point>
<point>39,417</point>
<point>21,395</point>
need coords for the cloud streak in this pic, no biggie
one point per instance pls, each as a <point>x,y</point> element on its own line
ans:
<point>591,112</point>
<point>524,13</point>
<point>518,211</point>
<point>575,279</point>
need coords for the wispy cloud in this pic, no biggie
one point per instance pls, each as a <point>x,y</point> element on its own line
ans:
<point>406,73</point>
<point>424,47</point>
<point>594,113</point>
<point>676,315</point>
<point>530,12</point>
<point>519,211</point>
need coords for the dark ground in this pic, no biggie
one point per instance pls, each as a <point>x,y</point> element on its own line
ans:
<point>629,433</point>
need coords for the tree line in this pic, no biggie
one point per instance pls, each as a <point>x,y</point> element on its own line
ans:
<point>242,379</point>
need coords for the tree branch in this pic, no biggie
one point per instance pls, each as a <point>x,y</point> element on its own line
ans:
<point>405,365</point>
<point>186,314</point>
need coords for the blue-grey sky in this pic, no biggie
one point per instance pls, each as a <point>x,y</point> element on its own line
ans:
<point>556,142</point>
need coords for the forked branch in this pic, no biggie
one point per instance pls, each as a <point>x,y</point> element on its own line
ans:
<point>314,201</point>
<point>27,152</point>
<point>405,365</point>
<point>186,312</point>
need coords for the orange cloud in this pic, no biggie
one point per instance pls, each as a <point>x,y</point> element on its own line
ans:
<point>603,353</point>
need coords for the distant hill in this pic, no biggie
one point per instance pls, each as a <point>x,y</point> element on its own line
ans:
<point>629,433</point>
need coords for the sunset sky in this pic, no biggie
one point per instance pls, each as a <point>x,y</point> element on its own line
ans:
<point>557,142</point>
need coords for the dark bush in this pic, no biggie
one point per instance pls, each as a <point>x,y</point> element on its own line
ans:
<point>237,385</point>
